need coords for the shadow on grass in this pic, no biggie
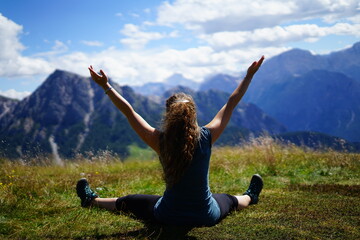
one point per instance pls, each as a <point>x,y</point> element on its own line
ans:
<point>151,232</point>
<point>346,190</point>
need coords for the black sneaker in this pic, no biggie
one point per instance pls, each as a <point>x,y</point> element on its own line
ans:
<point>256,185</point>
<point>85,193</point>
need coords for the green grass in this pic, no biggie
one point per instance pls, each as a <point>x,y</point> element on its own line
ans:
<point>307,195</point>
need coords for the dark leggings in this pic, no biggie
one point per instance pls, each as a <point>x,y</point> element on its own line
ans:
<point>141,207</point>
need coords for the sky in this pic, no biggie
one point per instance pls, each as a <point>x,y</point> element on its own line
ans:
<point>141,41</point>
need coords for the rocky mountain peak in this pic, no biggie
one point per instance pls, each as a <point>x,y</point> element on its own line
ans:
<point>6,105</point>
<point>356,47</point>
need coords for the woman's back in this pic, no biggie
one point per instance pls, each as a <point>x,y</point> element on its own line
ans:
<point>191,198</point>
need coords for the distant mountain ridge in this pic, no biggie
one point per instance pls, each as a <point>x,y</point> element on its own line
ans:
<point>159,88</point>
<point>69,114</point>
<point>307,92</point>
<point>319,141</point>
<point>296,62</point>
<point>222,82</point>
<point>319,101</point>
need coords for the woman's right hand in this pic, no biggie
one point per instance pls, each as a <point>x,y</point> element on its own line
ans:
<point>102,79</point>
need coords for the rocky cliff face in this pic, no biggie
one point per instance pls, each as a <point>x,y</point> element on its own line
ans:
<point>6,105</point>
<point>62,101</point>
<point>61,115</point>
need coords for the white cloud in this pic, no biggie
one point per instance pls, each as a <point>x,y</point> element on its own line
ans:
<point>9,42</point>
<point>92,43</point>
<point>135,68</point>
<point>75,62</point>
<point>355,19</point>
<point>242,15</point>
<point>11,61</point>
<point>137,39</point>
<point>278,35</point>
<point>135,15</point>
<point>226,15</point>
<point>139,67</point>
<point>12,93</point>
<point>58,48</point>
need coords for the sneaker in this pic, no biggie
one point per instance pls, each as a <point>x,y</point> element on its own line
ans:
<point>256,185</point>
<point>85,193</point>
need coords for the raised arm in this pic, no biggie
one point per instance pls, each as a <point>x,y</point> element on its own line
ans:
<point>146,132</point>
<point>218,124</point>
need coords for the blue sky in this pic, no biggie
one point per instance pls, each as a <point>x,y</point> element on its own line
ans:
<point>142,41</point>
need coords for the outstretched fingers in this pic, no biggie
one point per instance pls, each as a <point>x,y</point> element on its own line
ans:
<point>100,79</point>
<point>102,73</point>
<point>92,72</point>
<point>257,64</point>
<point>96,76</point>
<point>254,67</point>
<point>260,61</point>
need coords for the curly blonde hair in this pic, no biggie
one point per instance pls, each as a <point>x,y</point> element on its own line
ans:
<point>179,136</point>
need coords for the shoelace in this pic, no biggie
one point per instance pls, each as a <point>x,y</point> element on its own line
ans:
<point>89,192</point>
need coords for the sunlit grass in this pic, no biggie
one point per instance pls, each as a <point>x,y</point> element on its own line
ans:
<point>307,194</point>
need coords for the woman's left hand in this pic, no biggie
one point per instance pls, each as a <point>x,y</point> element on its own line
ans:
<point>254,67</point>
<point>102,79</point>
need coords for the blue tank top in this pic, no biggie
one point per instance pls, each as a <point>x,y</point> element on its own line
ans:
<point>189,202</point>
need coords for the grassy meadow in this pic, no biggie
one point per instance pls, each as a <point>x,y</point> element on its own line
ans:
<point>307,195</point>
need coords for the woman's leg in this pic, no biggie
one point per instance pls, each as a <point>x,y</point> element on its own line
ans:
<point>251,196</point>
<point>106,203</point>
<point>90,199</point>
<point>243,201</point>
<point>139,206</point>
<point>229,203</point>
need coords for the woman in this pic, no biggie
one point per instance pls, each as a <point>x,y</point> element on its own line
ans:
<point>184,151</point>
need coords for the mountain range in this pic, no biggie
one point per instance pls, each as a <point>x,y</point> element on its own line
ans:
<point>69,114</point>
<point>296,96</point>
<point>307,92</point>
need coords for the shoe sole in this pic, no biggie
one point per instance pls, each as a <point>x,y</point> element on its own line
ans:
<point>80,184</point>
<point>259,177</point>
